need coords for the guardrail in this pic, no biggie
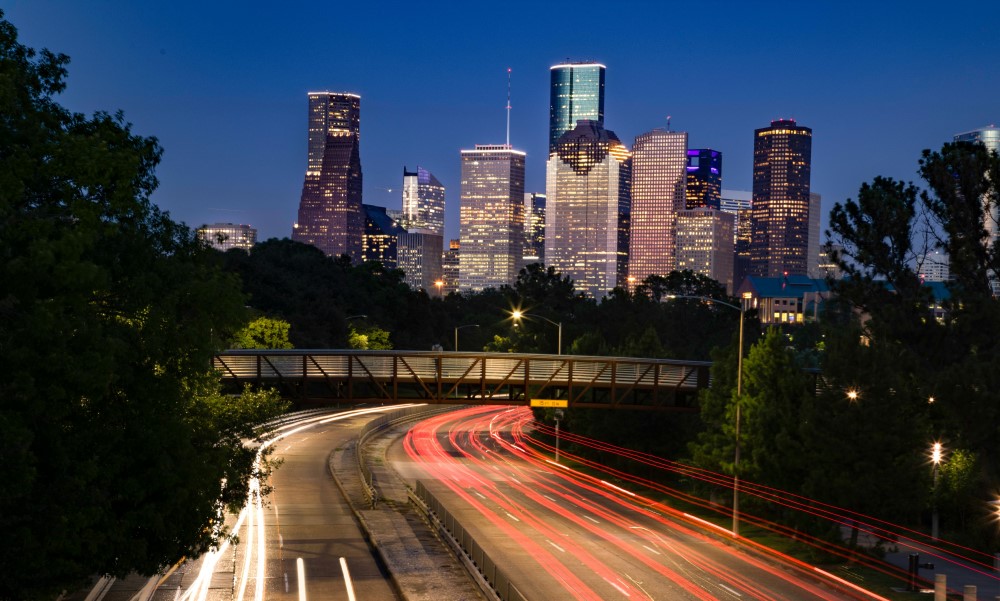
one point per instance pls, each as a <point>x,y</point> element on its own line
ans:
<point>463,378</point>
<point>468,549</point>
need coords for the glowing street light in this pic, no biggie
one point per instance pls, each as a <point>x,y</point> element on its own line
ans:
<point>439,284</point>
<point>935,461</point>
<point>852,395</point>
<point>518,314</point>
<point>739,393</point>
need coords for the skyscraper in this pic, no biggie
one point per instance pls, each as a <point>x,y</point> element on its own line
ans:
<point>659,182</point>
<point>739,203</point>
<point>491,220</point>
<point>423,201</point>
<point>330,214</point>
<point>381,238</point>
<point>989,137</point>
<point>704,178</point>
<point>779,244</point>
<point>534,227</point>
<point>576,92</point>
<point>705,243</point>
<point>587,189</point>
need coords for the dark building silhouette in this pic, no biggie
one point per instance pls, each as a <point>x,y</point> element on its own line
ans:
<point>381,239</point>
<point>779,243</point>
<point>331,217</point>
<point>704,178</point>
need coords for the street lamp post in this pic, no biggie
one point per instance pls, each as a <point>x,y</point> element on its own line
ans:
<point>558,416</point>
<point>739,393</point>
<point>517,315</point>
<point>468,325</point>
<point>935,461</point>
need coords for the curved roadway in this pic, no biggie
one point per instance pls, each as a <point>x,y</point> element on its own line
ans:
<point>561,534</point>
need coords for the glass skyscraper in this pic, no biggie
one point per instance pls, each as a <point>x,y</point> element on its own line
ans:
<point>423,201</point>
<point>576,92</point>
<point>491,220</point>
<point>704,178</point>
<point>330,214</point>
<point>223,236</point>
<point>588,199</point>
<point>534,227</point>
<point>782,156</point>
<point>659,182</point>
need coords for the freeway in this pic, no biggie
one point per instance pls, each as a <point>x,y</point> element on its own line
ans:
<point>302,542</point>
<point>563,534</point>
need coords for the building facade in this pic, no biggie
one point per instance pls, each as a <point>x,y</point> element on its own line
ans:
<point>705,243</point>
<point>576,91</point>
<point>450,267</point>
<point>419,255</point>
<point>816,255</point>
<point>330,216</point>
<point>223,236</point>
<point>739,203</point>
<point>659,187</point>
<point>779,242</point>
<point>491,220</point>
<point>704,178</point>
<point>423,201</point>
<point>990,138</point>
<point>588,199</point>
<point>534,227</point>
<point>381,237</point>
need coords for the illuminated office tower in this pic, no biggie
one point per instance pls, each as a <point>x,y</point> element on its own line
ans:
<point>739,203</point>
<point>659,182</point>
<point>779,243</point>
<point>450,267</point>
<point>381,238</point>
<point>491,220</point>
<point>587,189</point>
<point>419,254</point>
<point>989,136</point>
<point>223,236</point>
<point>423,201</point>
<point>331,217</point>
<point>534,227</point>
<point>576,92</point>
<point>704,178</point>
<point>705,244</point>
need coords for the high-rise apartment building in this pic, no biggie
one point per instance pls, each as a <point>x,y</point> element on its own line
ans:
<point>534,227</point>
<point>779,245</point>
<point>576,92</point>
<point>704,178</point>
<point>224,236</point>
<point>331,217</point>
<point>491,220</point>
<point>705,243</point>
<point>423,201</point>
<point>588,198</point>
<point>659,184</point>
<point>739,203</point>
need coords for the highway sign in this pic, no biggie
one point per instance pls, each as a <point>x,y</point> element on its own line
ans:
<point>549,403</point>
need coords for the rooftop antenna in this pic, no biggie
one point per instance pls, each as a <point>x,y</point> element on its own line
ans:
<point>668,122</point>
<point>508,107</point>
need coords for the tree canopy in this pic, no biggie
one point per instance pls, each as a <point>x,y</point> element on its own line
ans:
<point>118,451</point>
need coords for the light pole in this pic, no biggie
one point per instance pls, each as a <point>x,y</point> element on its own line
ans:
<point>558,416</point>
<point>935,461</point>
<point>468,325</point>
<point>517,315</point>
<point>739,393</point>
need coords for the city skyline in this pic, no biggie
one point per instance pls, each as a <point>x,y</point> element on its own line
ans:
<point>218,100</point>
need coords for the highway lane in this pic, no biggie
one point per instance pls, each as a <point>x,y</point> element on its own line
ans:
<point>568,535</point>
<point>301,543</point>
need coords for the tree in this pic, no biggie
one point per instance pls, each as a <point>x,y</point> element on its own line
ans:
<point>263,333</point>
<point>114,437</point>
<point>370,339</point>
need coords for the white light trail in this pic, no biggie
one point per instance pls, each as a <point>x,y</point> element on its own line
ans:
<point>300,568</point>
<point>347,580</point>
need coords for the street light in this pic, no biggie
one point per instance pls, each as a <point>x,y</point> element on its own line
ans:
<point>468,325</point>
<point>362,316</point>
<point>935,461</point>
<point>739,393</point>
<point>439,284</point>
<point>517,315</point>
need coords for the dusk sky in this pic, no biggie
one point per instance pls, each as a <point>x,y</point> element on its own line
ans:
<point>223,85</point>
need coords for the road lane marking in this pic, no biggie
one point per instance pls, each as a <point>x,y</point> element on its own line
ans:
<point>480,495</point>
<point>591,519</point>
<point>729,590</point>
<point>555,545</point>
<point>511,516</point>
<point>620,589</point>
<point>651,549</point>
<point>300,570</point>
<point>550,498</point>
<point>347,580</point>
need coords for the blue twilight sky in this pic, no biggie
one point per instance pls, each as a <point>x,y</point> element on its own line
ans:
<point>223,84</point>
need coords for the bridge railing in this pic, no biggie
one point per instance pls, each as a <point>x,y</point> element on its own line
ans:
<point>448,377</point>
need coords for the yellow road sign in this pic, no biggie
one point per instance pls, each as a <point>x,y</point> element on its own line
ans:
<point>549,403</point>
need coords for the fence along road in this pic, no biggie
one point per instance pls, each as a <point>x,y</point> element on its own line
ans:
<point>463,378</point>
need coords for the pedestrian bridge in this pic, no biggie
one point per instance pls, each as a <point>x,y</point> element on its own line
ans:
<point>463,378</point>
